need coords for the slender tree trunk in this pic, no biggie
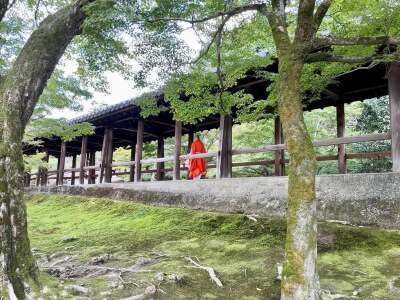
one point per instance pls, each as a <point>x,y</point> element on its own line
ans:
<point>19,93</point>
<point>300,279</point>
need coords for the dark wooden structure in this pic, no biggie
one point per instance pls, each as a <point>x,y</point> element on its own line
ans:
<point>122,126</point>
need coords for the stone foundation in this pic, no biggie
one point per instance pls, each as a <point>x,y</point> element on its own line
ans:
<point>360,199</point>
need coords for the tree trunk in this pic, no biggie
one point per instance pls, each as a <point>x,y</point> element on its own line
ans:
<point>19,93</point>
<point>17,266</point>
<point>300,279</point>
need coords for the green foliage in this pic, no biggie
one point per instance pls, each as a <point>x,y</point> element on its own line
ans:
<point>48,128</point>
<point>61,92</point>
<point>149,105</point>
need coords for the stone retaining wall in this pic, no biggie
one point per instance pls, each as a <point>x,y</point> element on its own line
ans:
<point>361,199</point>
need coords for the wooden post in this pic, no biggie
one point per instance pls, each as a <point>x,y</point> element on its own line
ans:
<point>394,94</point>
<point>73,172</point>
<point>44,177</point>
<point>340,121</point>
<point>109,157</point>
<point>139,150</point>
<point>38,176</point>
<point>190,140</point>
<point>224,162</point>
<point>83,160</point>
<point>104,150</point>
<point>132,168</point>
<point>62,164</point>
<point>27,179</point>
<point>58,166</point>
<point>178,144</point>
<point>160,153</point>
<point>279,154</point>
<point>92,162</point>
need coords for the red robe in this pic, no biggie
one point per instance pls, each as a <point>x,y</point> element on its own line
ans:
<point>197,166</point>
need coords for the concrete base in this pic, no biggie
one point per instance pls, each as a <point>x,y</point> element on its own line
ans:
<point>362,199</point>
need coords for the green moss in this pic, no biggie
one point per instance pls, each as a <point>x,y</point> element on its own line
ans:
<point>243,252</point>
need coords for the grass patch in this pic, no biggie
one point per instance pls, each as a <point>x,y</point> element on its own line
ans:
<point>244,252</point>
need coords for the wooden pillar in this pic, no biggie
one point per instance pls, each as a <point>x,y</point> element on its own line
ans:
<point>224,162</point>
<point>279,154</point>
<point>139,150</point>
<point>340,121</point>
<point>27,179</point>
<point>92,162</point>
<point>132,167</point>
<point>104,151</point>
<point>160,153</point>
<point>38,176</point>
<point>61,164</point>
<point>394,94</point>
<point>190,140</point>
<point>58,166</point>
<point>177,153</point>
<point>82,163</point>
<point>109,157</point>
<point>73,172</point>
<point>44,177</point>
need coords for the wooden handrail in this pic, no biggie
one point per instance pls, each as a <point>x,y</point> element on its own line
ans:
<point>266,148</point>
<point>320,143</point>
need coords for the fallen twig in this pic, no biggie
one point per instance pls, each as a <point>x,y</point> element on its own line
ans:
<point>210,271</point>
<point>252,217</point>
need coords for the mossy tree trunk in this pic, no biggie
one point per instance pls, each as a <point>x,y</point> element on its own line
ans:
<point>19,93</point>
<point>300,278</point>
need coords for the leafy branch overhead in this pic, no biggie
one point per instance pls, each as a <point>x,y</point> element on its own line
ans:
<point>231,34</point>
<point>48,128</point>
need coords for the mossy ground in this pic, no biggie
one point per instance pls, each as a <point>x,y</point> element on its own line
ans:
<point>243,252</point>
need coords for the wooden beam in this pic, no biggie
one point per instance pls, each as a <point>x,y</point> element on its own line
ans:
<point>73,172</point>
<point>279,154</point>
<point>394,94</point>
<point>62,164</point>
<point>340,121</point>
<point>224,161</point>
<point>160,153</point>
<point>109,157</point>
<point>139,151</point>
<point>166,124</point>
<point>176,174</point>
<point>83,159</point>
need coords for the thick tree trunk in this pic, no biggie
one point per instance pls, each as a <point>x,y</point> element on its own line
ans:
<point>17,266</point>
<point>19,94</point>
<point>300,279</point>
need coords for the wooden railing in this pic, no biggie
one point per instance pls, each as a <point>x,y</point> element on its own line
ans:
<point>240,151</point>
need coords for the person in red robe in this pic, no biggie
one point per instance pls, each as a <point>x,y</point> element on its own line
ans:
<point>197,166</point>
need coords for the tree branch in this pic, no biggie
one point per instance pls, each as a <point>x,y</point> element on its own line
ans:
<point>214,38</point>
<point>36,62</point>
<point>320,13</point>
<point>321,42</point>
<point>234,11</point>
<point>331,57</point>
<point>3,8</point>
<point>305,21</point>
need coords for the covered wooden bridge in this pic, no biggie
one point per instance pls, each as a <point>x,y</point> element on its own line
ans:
<point>121,125</point>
